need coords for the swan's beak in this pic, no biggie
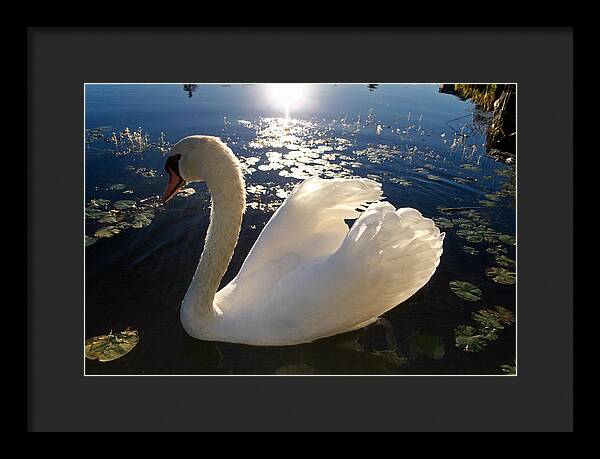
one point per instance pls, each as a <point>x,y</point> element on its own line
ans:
<point>175,180</point>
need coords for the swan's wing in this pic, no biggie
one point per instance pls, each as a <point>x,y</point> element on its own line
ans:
<point>309,224</point>
<point>386,257</point>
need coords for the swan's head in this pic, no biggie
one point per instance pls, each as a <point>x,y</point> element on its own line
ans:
<point>195,158</point>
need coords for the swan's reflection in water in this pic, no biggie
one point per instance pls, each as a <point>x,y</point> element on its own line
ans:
<point>343,354</point>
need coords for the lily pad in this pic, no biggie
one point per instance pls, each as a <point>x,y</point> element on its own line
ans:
<point>506,315</point>
<point>107,231</point>
<point>94,213</point>
<point>505,261</point>
<point>443,222</point>
<point>109,347</point>
<point>433,177</point>
<point>474,238</point>
<point>89,240</point>
<point>507,239</point>
<point>470,339</point>
<point>112,216</point>
<point>470,250</point>
<point>428,346</point>
<point>496,250</point>
<point>465,290</point>
<point>96,202</point>
<point>508,369</point>
<point>488,319</point>
<point>117,186</point>
<point>487,203</point>
<point>501,275</point>
<point>124,204</point>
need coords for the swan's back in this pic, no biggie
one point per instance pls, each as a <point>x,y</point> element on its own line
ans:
<point>309,277</point>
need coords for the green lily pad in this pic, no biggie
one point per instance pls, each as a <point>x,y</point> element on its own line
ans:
<point>492,197</point>
<point>465,233</point>
<point>117,186</point>
<point>109,347</point>
<point>443,222</point>
<point>507,239</point>
<point>112,216</point>
<point>428,346</point>
<point>89,240</point>
<point>505,261</point>
<point>496,250</point>
<point>501,275</point>
<point>433,177</point>
<point>474,238</point>
<point>94,213</point>
<point>508,369</point>
<point>124,204</point>
<point>107,231</point>
<point>506,315</point>
<point>470,339</point>
<point>470,250</point>
<point>487,203</point>
<point>488,319</point>
<point>465,290</point>
<point>96,202</point>
<point>296,369</point>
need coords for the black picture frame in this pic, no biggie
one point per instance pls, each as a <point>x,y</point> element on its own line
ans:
<point>60,398</point>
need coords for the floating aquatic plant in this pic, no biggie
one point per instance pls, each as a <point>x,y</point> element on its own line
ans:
<point>493,319</point>
<point>89,240</point>
<point>107,231</point>
<point>94,213</point>
<point>505,261</point>
<point>471,339</point>
<point>106,348</point>
<point>465,290</point>
<point>112,216</point>
<point>124,204</point>
<point>508,369</point>
<point>507,239</point>
<point>501,275</point>
<point>470,250</point>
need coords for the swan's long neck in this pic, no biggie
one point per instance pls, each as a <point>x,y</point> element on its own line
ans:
<point>228,199</point>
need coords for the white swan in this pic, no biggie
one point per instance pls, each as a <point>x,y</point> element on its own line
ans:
<point>307,276</point>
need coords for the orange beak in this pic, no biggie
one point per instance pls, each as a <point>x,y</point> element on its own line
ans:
<point>175,179</point>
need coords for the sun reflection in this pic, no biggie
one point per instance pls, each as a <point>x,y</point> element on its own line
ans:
<point>287,96</point>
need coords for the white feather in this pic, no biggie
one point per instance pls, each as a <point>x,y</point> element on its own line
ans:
<point>308,275</point>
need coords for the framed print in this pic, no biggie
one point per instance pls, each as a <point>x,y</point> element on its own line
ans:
<point>276,236</point>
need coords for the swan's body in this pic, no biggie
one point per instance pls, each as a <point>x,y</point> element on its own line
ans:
<point>307,276</point>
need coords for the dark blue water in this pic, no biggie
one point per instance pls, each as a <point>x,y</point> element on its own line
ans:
<point>425,147</point>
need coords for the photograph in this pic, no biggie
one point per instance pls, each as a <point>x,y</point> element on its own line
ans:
<point>300,229</point>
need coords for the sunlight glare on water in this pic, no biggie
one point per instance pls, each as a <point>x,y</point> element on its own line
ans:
<point>287,96</point>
